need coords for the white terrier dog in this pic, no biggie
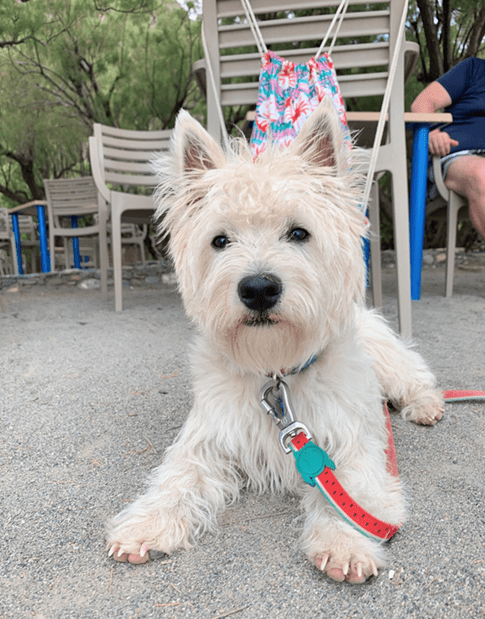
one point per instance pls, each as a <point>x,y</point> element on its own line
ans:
<point>268,255</point>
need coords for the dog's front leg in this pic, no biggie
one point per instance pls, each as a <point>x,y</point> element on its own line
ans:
<point>335,546</point>
<point>404,377</point>
<point>184,496</point>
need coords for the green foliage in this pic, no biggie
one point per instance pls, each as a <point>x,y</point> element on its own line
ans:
<point>66,64</point>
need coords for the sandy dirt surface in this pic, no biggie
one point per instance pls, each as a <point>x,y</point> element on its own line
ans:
<point>90,400</point>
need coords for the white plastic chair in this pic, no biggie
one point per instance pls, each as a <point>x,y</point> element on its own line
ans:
<point>121,166</point>
<point>67,197</point>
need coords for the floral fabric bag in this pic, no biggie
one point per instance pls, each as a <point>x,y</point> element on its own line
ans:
<point>288,94</point>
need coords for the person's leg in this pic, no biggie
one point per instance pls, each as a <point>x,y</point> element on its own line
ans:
<point>466,176</point>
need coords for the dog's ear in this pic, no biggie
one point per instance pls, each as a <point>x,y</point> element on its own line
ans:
<point>195,150</point>
<point>320,141</point>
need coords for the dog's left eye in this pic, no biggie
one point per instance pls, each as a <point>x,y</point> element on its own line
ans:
<point>298,235</point>
<point>220,242</point>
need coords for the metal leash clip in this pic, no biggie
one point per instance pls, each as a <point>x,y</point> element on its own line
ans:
<point>275,399</point>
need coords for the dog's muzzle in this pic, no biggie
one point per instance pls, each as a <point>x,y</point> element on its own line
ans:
<point>260,292</point>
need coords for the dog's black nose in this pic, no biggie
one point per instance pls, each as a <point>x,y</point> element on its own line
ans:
<point>260,292</point>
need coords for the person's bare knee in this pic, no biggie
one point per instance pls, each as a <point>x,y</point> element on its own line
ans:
<point>466,176</point>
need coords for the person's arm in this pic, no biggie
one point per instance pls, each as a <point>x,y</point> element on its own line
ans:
<point>429,101</point>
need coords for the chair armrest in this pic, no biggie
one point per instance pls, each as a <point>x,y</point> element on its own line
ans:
<point>29,208</point>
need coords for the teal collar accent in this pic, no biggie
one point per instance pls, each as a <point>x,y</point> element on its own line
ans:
<point>299,368</point>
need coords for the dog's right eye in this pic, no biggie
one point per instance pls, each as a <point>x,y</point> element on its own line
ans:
<point>220,242</point>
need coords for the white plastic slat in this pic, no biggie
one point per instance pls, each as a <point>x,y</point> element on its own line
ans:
<point>344,57</point>
<point>130,155</point>
<point>136,145</point>
<point>137,136</point>
<point>128,167</point>
<point>233,8</point>
<point>364,84</point>
<point>133,180</point>
<point>368,23</point>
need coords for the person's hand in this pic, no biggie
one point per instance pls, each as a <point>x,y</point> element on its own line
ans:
<point>440,143</point>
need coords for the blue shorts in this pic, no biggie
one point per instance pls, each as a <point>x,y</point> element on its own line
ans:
<point>445,165</point>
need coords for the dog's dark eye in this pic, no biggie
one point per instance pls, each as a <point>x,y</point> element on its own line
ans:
<point>298,235</point>
<point>220,242</point>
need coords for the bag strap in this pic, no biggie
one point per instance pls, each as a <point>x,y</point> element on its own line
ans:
<point>253,24</point>
<point>261,45</point>
<point>341,10</point>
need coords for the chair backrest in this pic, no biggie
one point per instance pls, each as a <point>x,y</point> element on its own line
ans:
<point>69,196</point>
<point>362,65</point>
<point>122,157</point>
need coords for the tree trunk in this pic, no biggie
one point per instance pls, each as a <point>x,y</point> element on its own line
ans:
<point>477,33</point>
<point>436,67</point>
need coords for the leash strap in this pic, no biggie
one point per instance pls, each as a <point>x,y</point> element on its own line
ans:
<point>456,395</point>
<point>316,469</point>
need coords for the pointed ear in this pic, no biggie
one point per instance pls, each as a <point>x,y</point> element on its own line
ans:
<point>320,141</point>
<point>195,150</point>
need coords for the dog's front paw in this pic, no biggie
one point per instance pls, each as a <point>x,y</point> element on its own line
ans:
<point>355,569</point>
<point>426,409</point>
<point>342,553</point>
<point>135,535</point>
<point>121,554</point>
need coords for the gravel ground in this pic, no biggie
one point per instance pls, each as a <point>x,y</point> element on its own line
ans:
<point>89,401</point>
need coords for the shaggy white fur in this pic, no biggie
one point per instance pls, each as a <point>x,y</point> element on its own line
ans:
<point>268,255</point>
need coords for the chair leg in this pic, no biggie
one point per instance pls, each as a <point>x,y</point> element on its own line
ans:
<point>142,252</point>
<point>454,205</point>
<point>117,258</point>
<point>33,260</point>
<point>401,245</point>
<point>52,250</point>
<point>103,255</point>
<point>67,256</point>
<point>14,257</point>
<point>375,245</point>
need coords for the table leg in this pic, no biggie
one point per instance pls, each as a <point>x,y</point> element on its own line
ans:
<point>18,243</point>
<point>44,246</point>
<point>75,244</point>
<point>417,205</point>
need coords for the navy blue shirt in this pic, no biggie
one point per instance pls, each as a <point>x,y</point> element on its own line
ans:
<point>465,83</point>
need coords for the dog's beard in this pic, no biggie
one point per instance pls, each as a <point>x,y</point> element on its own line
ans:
<point>265,343</point>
